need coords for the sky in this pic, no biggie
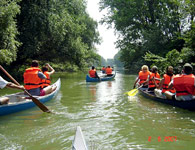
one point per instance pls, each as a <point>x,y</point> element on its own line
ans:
<point>107,48</point>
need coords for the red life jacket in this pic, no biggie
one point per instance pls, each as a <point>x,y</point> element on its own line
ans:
<point>92,73</point>
<point>167,80</point>
<point>47,81</point>
<point>184,84</point>
<point>108,71</point>
<point>103,69</point>
<point>151,83</point>
<point>31,79</point>
<point>143,76</point>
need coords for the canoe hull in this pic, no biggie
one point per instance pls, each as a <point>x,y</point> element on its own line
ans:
<point>189,105</point>
<point>89,79</point>
<point>20,106</point>
<point>79,142</point>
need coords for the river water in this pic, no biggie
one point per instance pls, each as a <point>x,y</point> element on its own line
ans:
<point>109,119</point>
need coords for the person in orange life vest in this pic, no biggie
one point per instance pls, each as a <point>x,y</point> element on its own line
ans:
<point>162,87</point>
<point>142,77</point>
<point>32,79</point>
<point>46,88</point>
<point>184,85</point>
<point>153,75</point>
<point>103,69</point>
<point>4,83</point>
<point>93,73</point>
<point>47,81</point>
<point>109,71</point>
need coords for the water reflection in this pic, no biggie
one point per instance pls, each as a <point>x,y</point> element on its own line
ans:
<point>108,118</point>
<point>93,90</point>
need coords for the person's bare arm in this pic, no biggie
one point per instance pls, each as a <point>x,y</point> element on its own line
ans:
<point>14,86</point>
<point>170,85</point>
<point>160,84</point>
<point>147,81</point>
<point>135,82</point>
<point>51,69</point>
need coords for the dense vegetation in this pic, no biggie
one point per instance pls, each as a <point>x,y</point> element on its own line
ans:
<point>153,32</point>
<point>59,31</point>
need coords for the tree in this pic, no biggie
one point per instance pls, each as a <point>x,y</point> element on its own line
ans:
<point>117,61</point>
<point>147,25</point>
<point>173,58</point>
<point>8,31</point>
<point>59,31</point>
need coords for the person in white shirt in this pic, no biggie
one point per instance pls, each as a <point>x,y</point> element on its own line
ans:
<point>3,84</point>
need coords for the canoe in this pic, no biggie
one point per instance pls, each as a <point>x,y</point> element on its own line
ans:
<point>103,78</point>
<point>189,105</point>
<point>79,140</point>
<point>17,101</point>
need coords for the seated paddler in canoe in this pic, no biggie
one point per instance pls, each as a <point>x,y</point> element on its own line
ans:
<point>184,85</point>
<point>109,71</point>
<point>45,83</point>
<point>36,82</point>
<point>176,87</point>
<point>162,87</point>
<point>153,76</point>
<point>93,73</point>
<point>148,80</point>
<point>142,77</point>
<point>103,69</point>
<point>3,84</point>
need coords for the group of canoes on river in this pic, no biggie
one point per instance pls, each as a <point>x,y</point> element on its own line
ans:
<point>93,74</point>
<point>36,81</point>
<point>179,87</point>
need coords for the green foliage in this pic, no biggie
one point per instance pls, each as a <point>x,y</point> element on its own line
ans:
<point>190,37</point>
<point>8,31</point>
<point>103,62</point>
<point>117,61</point>
<point>59,31</point>
<point>173,58</point>
<point>157,26</point>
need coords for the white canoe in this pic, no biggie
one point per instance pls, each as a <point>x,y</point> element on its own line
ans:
<point>79,140</point>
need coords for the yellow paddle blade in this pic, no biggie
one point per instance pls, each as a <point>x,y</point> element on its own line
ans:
<point>133,92</point>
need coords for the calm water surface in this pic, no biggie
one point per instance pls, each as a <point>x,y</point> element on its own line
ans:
<point>109,119</point>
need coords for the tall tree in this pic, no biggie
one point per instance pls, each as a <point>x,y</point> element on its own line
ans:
<point>8,30</point>
<point>59,31</point>
<point>144,25</point>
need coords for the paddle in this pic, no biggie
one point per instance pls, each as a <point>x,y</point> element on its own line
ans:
<point>134,91</point>
<point>36,101</point>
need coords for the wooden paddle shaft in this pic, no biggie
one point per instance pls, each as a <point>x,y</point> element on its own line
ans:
<point>9,75</point>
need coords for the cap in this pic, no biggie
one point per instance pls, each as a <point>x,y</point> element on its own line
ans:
<point>187,68</point>
<point>187,65</point>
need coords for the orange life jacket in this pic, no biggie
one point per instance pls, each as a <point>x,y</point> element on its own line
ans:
<point>143,76</point>
<point>103,69</point>
<point>31,79</point>
<point>151,83</point>
<point>92,73</point>
<point>47,81</point>
<point>108,71</point>
<point>167,80</point>
<point>184,84</point>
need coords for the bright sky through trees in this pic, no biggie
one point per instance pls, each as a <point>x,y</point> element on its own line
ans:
<point>107,48</point>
